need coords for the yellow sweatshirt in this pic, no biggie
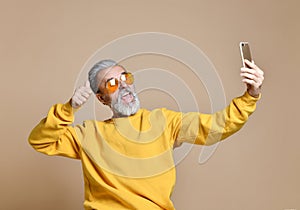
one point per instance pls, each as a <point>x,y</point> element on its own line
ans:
<point>127,162</point>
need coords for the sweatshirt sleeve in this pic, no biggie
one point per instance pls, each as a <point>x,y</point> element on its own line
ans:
<point>207,129</point>
<point>54,135</point>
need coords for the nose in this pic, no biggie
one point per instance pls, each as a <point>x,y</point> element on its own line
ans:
<point>123,84</point>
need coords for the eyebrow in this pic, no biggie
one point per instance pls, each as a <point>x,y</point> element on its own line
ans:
<point>109,79</point>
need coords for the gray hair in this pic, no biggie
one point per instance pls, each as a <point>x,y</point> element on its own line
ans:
<point>101,65</point>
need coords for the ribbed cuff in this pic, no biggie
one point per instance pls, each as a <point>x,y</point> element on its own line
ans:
<point>248,98</point>
<point>68,110</point>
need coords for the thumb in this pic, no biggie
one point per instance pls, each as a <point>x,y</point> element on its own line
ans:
<point>87,84</point>
<point>87,87</point>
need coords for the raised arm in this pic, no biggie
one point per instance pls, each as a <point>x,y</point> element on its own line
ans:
<point>207,129</point>
<point>54,135</point>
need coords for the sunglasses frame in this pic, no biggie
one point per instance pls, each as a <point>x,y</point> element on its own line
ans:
<point>123,78</point>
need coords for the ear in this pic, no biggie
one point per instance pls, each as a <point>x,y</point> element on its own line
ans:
<point>102,98</point>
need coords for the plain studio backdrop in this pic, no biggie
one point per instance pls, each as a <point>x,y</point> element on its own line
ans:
<point>45,44</point>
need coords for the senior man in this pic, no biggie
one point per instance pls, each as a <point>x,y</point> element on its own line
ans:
<point>127,160</point>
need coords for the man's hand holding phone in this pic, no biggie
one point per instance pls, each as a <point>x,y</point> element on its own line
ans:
<point>253,77</point>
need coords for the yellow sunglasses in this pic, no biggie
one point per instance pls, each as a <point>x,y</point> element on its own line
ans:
<point>112,84</point>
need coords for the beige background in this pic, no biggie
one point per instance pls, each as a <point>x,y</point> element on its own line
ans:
<point>44,45</point>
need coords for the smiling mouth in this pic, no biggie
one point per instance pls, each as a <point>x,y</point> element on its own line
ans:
<point>127,97</point>
<point>125,94</point>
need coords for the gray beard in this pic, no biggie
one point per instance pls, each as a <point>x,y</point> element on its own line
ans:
<point>121,109</point>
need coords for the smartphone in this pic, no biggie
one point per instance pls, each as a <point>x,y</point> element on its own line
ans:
<point>245,52</point>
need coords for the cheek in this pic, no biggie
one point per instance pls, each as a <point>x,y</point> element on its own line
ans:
<point>114,96</point>
<point>132,87</point>
<point>107,98</point>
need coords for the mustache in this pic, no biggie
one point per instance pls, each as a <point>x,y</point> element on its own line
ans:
<point>125,91</point>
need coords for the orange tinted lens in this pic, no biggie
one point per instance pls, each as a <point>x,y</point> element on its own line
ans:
<point>112,85</point>
<point>129,78</point>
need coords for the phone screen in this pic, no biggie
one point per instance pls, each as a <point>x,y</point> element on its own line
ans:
<point>245,52</point>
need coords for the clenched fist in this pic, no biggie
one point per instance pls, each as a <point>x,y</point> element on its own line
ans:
<point>81,95</point>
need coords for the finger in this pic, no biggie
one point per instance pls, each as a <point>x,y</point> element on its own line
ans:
<point>251,82</point>
<point>249,76</point>
<point>248,81</point>
<point>87,87</point>
<point>85,94</point>
<point>81,99</point>
<point>86,91</point>
<point>251,64</point>
<point>87,83</point>
<point>75,102</point>
<point>247,70</point>
<point>259,73</point>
